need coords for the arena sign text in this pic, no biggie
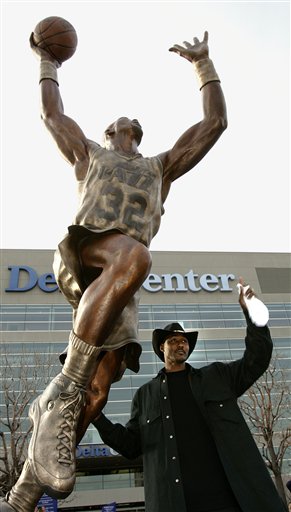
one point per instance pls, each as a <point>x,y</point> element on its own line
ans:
<point>24,278</point>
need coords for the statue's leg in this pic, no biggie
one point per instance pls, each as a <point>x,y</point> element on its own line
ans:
<point>108,369</point>
<point>55,416</point>
<point>24,495</point>
<point>124,265</point>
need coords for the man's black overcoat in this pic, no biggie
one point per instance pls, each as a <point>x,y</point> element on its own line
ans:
<point>216,387</point>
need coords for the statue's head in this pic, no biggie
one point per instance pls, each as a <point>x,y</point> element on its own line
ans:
<point>124,124</point>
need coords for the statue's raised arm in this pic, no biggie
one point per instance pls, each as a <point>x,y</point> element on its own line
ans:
<point>192,146</point>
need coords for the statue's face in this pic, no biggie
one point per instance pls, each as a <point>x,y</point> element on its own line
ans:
<point>125,124</point>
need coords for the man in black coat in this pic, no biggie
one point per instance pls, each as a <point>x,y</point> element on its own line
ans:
<point>198,452</point>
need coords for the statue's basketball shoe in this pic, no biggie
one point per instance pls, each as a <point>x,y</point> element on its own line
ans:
<point>52,449</point>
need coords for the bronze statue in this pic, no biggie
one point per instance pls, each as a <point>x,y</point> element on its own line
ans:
<point>101,264</point>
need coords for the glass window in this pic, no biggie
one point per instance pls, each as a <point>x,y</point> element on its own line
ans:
<point>211,324</point>
<point>125,382</point>
<point>146,324</point>
<point>279,313</point>
<point>145,315</point>
<point>12,326</point>
<point>89,482</point>
<point>117,481</point>
<point>139,380</point>
<point>190,324</point>
<point>235,323</point>
<point>119,418</point>
<point>236,354</point>
<point>210,307</point>
<point>284,363</point>
<point>200,344</point>
<point>166,317</point>
<point>145,307</point>
<point>38,308</point>
<point>191,315</point>
<point>15,317</point>
<point>148,357</point>
<point>218,355</point>
<point>12,308</point>
<point>147,369</point>
<point>231,307</point>
<point>236,343</point>
<point>36,326</point>
<point>62,316</point>
<point>162,307</point>
<point>282,352</point>
<point>233,315</point>
<point>209,315</point>
<point>37,317</point>
<point>282,342</point>
<point>147,345</point>
<point>273,307</point>
<point>120,394</point>
<point>187,307</point>
<point>118,407</point>
<point>197,359</point>
<point>59,317</point>
<point>216,344</point>
<point>61,326</point>
<point>279,322</point>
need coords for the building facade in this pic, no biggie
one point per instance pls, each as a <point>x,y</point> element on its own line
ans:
<point>197,290</point>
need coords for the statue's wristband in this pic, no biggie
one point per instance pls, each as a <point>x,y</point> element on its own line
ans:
<point>48,70</point>
<point>205,72</point>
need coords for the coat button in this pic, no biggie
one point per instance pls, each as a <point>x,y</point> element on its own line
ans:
<point>148,421</point>
<point>220,405</point>
<point>167,417</point>
<point>164,381</point>
<point>165,398</point>
<point>171,437</point>
<point>173,458</point>
<point>177,480</point>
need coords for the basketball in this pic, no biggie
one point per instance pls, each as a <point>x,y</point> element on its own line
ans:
<point>57,36</point>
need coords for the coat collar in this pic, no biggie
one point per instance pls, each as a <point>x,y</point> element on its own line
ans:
<point>190,369</point>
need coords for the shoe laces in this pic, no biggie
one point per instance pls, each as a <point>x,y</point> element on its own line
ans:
<point>70,413</point>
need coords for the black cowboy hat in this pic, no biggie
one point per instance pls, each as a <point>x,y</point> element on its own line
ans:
<point>160,335</point>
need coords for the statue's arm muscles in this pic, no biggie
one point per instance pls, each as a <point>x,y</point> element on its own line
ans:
<point>193,145</point>
<point>69,137</point>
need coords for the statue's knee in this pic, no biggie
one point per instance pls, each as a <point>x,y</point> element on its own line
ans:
<point>142,260</point>
<point>97,398</point>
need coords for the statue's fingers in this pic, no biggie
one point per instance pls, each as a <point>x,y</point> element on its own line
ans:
<point>31,40</point>
<point>177,48</point>
<point>205,39</point>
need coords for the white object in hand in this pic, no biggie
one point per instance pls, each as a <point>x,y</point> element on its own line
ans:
<point>258,312</point>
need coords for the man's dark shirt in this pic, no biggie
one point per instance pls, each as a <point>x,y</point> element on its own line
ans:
<point>205,485</point>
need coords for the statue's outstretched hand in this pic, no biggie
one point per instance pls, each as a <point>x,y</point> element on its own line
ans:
<point>41,53</point>
<point>193,52</point>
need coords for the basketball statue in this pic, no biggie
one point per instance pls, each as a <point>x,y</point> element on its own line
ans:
<point>104,258</point>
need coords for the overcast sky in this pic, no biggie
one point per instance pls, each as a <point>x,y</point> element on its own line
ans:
<point>236,199</point>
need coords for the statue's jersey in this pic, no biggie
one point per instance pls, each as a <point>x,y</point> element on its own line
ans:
<point>121,193</point>
<point>118,193</point>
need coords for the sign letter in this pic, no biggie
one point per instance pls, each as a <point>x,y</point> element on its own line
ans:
<point>29,281</point>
